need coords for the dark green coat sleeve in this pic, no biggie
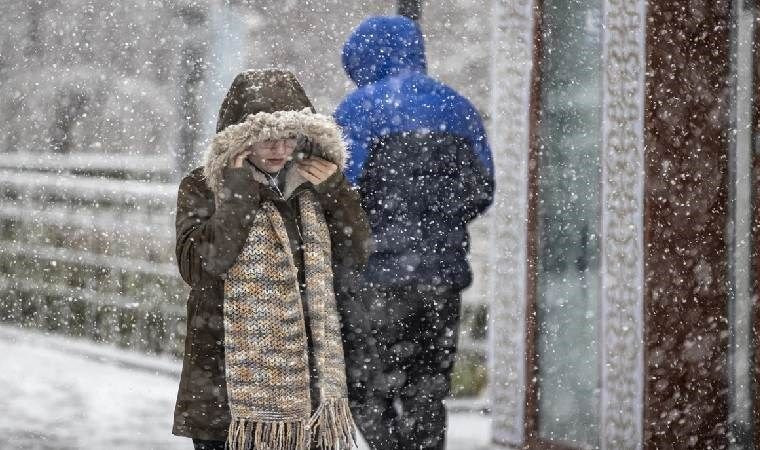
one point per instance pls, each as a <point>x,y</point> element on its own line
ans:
<point>210,239</point>
<point>347,221</point>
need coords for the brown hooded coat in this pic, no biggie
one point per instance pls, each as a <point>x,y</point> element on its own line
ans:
<point>211,231</point>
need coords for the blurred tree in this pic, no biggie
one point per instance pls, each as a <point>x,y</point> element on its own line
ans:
<point>410,8</point>
<point>192,72</point>
<point>71,105</point>
<point>34,46</point>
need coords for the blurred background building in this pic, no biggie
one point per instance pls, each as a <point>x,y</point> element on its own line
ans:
<point>615,301</point>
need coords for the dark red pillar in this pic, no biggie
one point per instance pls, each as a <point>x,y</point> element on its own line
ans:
<point>686,150</point>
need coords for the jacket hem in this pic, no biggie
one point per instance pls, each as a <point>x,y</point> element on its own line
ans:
<point>194,433</point>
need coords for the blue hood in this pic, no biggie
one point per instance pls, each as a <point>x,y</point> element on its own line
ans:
<point>383,46</point>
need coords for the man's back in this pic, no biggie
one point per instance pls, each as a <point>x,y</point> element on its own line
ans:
<point>420,157</point>
<point>419,154</point>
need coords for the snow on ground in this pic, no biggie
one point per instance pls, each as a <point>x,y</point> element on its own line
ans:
<point>53,398</point>
<point>61,393</point>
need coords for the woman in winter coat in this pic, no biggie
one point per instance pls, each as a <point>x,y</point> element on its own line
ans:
<point>264,229</point>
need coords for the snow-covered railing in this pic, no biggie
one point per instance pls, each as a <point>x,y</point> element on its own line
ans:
<point>139,194</point>
<point>80,217</point>
<point>91,255</point>
<point>71,256</point>
<point>133,166</point>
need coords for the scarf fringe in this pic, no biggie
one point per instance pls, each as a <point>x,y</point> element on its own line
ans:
<point>246,434</point>
<point>332,426</point>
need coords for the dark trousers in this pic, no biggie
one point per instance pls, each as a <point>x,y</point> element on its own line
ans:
<point>414,336</point>
<point>200,444</point>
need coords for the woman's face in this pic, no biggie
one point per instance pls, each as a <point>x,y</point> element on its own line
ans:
<point>271,156</point>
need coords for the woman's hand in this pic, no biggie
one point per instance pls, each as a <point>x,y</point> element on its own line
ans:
<point>238,162</point>
<point>316,170</point>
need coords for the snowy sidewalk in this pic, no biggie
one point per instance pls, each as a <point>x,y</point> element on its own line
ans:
<point>61,393</point>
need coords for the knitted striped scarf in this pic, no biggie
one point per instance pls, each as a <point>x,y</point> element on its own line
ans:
<point>266,354</point>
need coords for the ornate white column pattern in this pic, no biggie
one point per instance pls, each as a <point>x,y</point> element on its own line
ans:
<point>622,367</point>
<point>511,73</point>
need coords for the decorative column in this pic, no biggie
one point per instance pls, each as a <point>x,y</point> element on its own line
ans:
<point>755,232</point>
<point>622,243</point>
<point>509,134</point>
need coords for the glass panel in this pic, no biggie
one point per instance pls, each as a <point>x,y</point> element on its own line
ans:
<point>568,220</point>
<point>739,234</point>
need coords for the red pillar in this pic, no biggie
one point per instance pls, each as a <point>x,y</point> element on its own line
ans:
<point>685,294</point>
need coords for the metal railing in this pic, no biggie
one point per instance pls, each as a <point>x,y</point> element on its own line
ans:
<point>91,253</point>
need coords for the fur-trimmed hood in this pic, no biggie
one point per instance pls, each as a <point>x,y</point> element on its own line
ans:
<point>319,130</point>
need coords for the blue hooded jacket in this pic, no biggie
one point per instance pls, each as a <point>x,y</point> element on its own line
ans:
<point>417,148</point>
<point>385,57</point>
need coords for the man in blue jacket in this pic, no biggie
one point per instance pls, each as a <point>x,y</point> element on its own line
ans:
<point>422,163</point>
